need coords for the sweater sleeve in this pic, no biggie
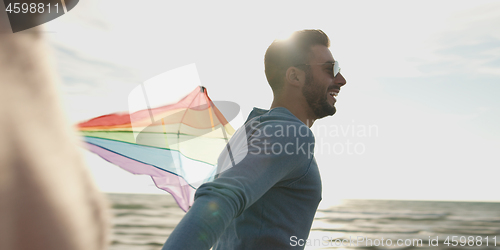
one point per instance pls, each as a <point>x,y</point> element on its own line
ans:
<point>272,156</point>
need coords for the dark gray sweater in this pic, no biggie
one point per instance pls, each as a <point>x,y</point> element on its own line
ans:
<point>268,192</point>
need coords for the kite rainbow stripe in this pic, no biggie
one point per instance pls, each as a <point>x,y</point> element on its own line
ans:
<point>177,144</point>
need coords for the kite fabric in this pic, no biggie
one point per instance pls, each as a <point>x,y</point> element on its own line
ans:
<point>177,144</point>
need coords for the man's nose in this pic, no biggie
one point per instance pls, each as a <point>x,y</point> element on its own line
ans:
<point>340,80</point>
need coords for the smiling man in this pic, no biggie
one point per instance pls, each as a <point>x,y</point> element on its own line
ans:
<point>270,197</point>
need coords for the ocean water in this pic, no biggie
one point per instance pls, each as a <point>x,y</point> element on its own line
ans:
<point>143,222</point>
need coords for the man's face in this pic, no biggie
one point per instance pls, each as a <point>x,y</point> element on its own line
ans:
<point>320,84</point>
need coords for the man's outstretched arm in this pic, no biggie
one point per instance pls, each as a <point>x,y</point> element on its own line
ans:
<point>217,203</point>
<point>202,225</point>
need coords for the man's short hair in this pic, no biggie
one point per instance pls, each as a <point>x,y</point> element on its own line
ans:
<point>289,52</point>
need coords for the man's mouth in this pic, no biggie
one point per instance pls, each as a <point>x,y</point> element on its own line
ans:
<point>334,92</point>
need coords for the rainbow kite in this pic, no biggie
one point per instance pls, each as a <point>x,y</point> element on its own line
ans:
<point>177,144</point>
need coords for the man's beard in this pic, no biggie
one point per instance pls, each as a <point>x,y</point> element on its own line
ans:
<point>316,98</point>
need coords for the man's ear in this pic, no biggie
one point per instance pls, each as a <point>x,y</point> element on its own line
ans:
<point>295,76</point>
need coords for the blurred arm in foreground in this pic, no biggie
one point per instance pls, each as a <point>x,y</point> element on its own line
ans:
<point>47,198</point>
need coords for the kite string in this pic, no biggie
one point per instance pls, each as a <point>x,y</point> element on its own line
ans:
<point>228,147</point>
<point>179,144</point>
<point>209,110</point>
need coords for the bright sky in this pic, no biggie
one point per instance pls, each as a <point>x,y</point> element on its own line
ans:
<point>418,118</point>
